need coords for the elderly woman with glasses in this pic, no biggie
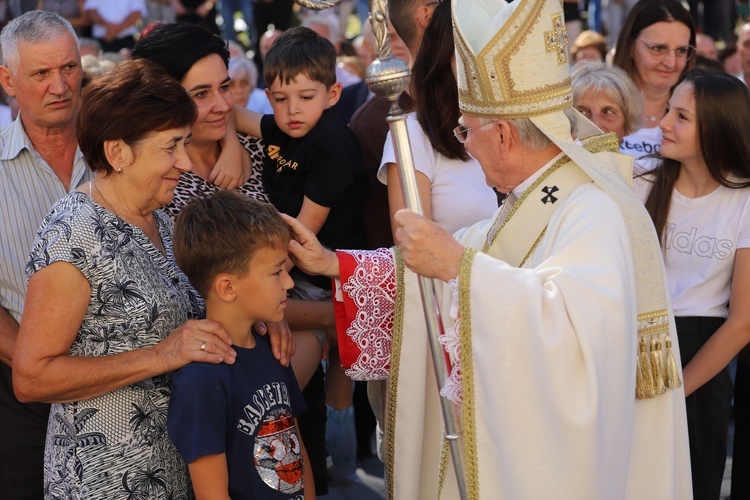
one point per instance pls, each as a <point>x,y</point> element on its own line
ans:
<point>656,48</point>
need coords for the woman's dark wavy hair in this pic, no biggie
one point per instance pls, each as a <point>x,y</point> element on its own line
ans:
<point>178,46</point>
<point>642,15</point>
<point>722,113</point>
<point>435,88</point>
<point>135,99</point>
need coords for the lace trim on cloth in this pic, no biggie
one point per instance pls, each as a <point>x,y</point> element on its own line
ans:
<point>451,342</point>
<point>372,287</point>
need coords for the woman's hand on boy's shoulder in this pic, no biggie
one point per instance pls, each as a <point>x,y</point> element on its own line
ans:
<point>283,345</point>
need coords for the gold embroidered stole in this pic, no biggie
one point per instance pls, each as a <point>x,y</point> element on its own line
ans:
<point>522,228</point>
<point>527,219</point>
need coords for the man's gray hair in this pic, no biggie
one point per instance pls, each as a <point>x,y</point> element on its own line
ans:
<point>529,134</point>
<point>33,26</point>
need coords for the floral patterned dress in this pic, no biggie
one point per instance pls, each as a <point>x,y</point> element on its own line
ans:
<point>115,445</point>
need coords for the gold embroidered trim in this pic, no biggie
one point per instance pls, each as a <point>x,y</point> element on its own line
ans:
<point>469,430</point>
<point>557,39</point>
<point>595,144</point>
<point>559,163</point>
<point>445,452</point>
<point>653,322</point>
<point>533,247</point>
<point>490,89</point>
<point>653,315</point>
<point>397,337</point>
<point>501,53</point>
<point>602,142</point>
<point>656,367</point>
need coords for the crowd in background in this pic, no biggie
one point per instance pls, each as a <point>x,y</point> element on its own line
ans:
<point>249,27</point>
<point>593,27</point>
<point>625,69</point>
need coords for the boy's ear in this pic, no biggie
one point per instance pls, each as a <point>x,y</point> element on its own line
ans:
<point>223,287</point>
<point>334,94</point>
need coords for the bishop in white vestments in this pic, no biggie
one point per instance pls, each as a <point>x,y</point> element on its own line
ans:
<point>559,334</point>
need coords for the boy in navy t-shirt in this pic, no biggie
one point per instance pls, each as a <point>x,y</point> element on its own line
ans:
<point>235,425</point>
<point>312,170</point>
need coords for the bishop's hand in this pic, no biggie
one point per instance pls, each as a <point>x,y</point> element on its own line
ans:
<point>308,254</point>
<point>428,249</point>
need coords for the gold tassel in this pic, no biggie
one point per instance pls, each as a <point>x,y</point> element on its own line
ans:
<point>657,366</point>
<point>673,373</point>
<point>644,382</point>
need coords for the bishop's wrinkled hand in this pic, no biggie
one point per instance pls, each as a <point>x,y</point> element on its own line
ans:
<point>308,254</point>
<point>428,249</point>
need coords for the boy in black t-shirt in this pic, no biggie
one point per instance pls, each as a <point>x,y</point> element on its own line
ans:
<point>313,166</point>
<point>235,425</point>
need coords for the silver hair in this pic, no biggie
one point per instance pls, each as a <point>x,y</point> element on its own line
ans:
<point>34,26</point>
<point>90,43</point>
<point>240,63</point>
<point>529,134</point>
<point>328,21</point>
<point>616,84</point>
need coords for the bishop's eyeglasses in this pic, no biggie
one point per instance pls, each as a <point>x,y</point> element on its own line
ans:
<point>462,131</point>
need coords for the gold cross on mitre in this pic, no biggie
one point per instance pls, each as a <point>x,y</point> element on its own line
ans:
<point>557,39</point>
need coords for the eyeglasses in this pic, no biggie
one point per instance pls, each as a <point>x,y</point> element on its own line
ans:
<point>430,4</point>
<point>461,133</point>
<point>607,114</point>
<point>662,51</point>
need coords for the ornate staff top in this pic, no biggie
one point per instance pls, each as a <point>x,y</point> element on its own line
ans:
<point>386,76</point>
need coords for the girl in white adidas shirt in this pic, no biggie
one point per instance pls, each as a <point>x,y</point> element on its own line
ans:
<point>699,200</point>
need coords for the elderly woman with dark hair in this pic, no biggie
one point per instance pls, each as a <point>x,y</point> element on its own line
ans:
<point>108,314</point>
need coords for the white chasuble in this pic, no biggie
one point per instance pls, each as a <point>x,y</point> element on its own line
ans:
<point>547,362</point>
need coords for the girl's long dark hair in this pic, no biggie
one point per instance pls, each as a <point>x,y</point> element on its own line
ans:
<point>435,91</point>
<point>722,112</point>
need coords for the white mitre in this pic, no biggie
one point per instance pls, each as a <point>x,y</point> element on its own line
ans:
<point>512,59</point>
<point>512,62</point>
